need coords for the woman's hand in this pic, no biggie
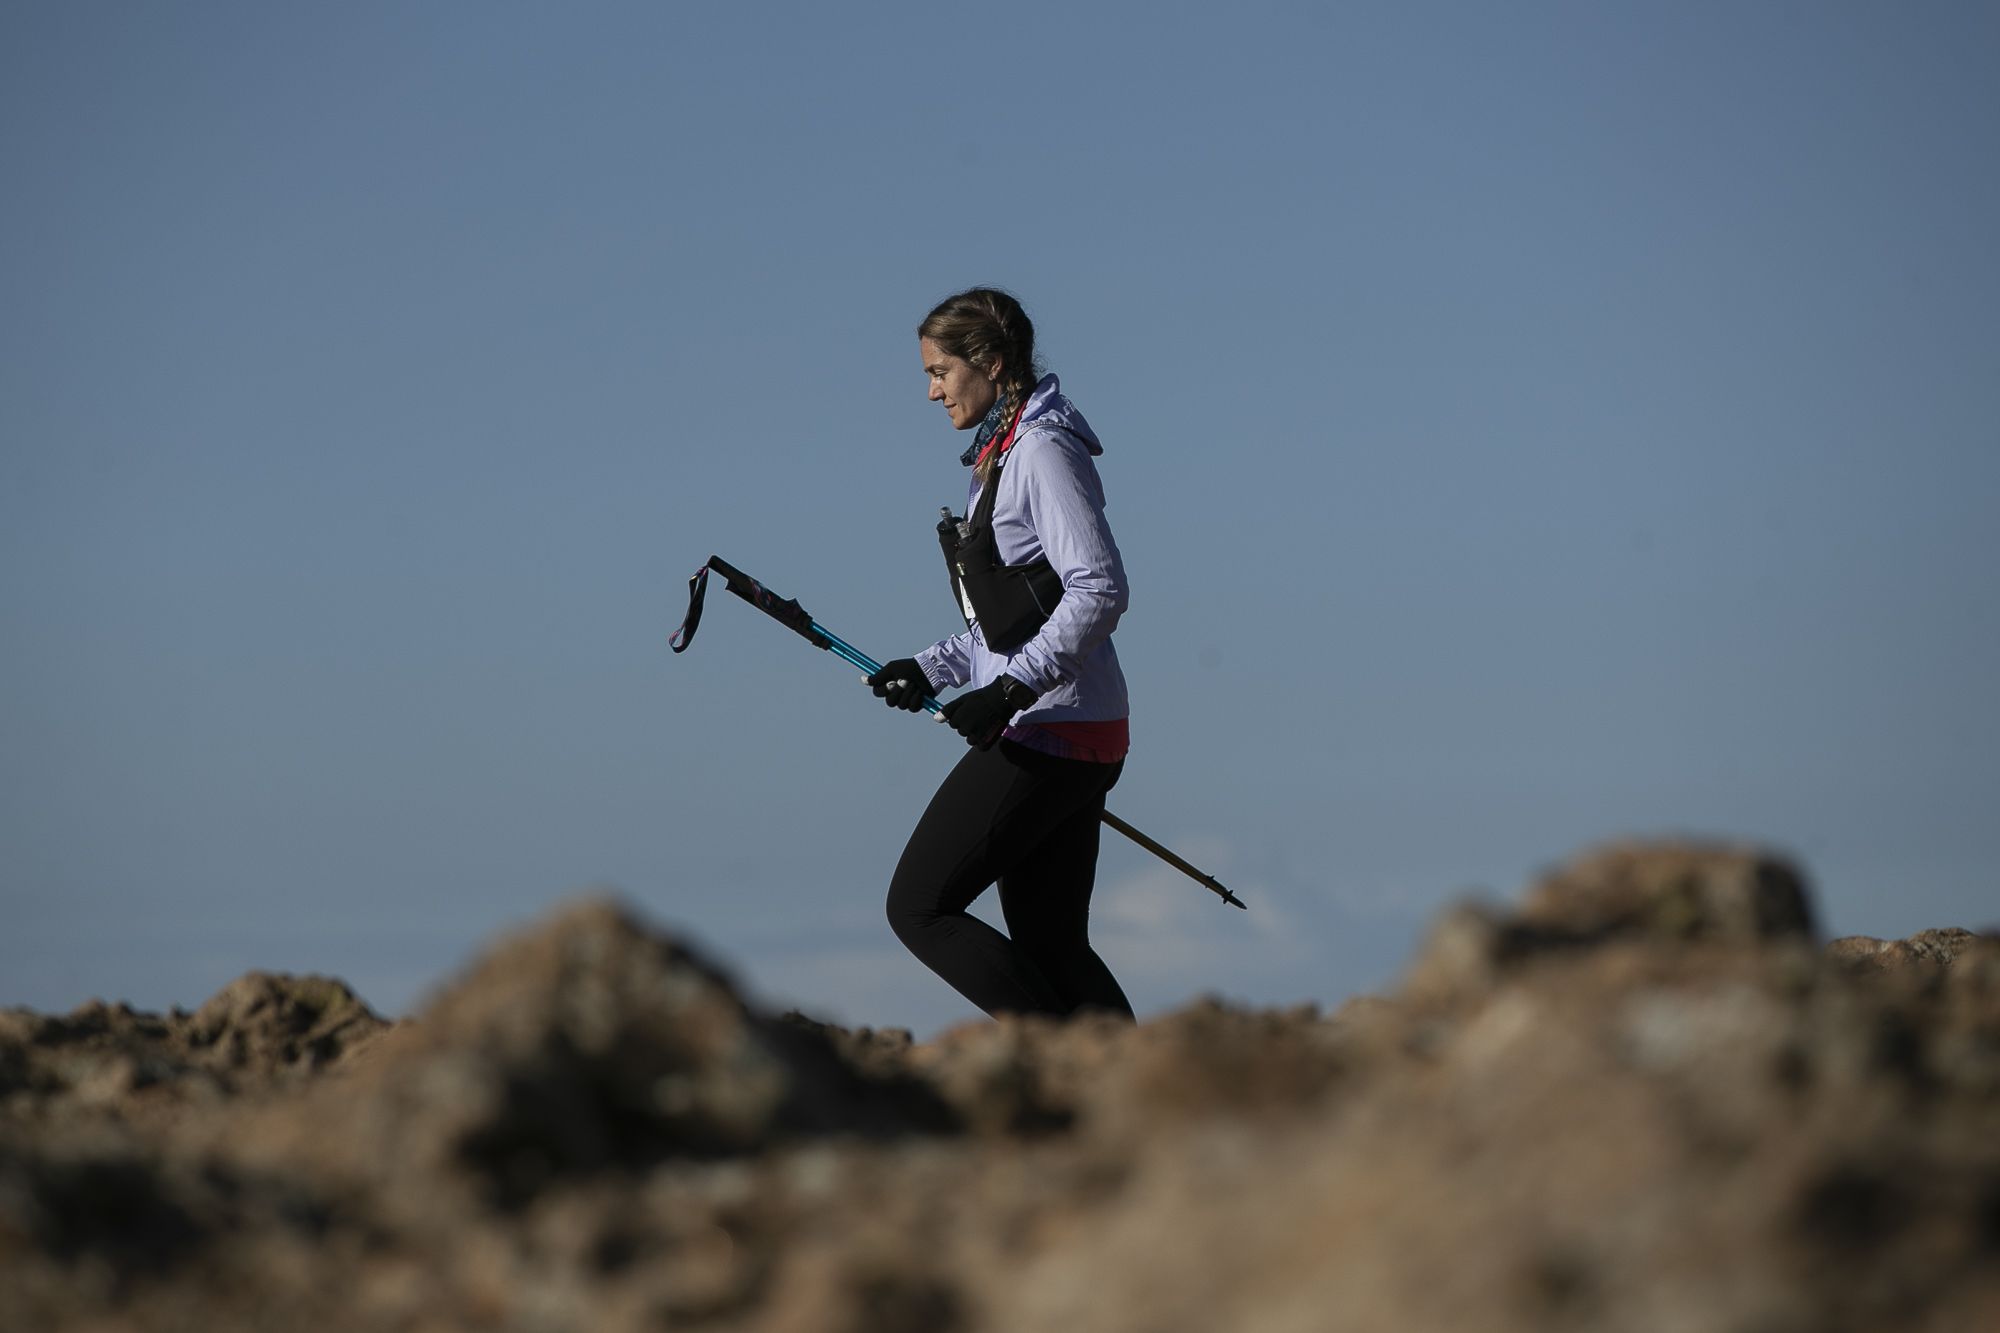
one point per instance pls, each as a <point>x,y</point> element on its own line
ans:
<point>902,684</point>
<point>982,714</point>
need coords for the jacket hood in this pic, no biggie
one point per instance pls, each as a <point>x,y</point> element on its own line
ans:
<point>1047,406</point>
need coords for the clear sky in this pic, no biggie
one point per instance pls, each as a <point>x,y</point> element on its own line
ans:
<point>1526,425</point>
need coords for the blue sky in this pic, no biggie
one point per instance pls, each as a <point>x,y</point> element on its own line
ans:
<point>1525,426</point>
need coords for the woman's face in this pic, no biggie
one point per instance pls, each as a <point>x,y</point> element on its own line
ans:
<point>966,391</point>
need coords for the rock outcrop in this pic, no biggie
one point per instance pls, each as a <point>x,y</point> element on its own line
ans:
<point>262,1030</point>
<point>1646,1098</point>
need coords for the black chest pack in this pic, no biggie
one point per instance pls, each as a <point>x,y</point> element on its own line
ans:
<point>1010,602</point>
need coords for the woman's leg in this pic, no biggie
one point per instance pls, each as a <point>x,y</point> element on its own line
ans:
<point>1046,900</point>
<point>991,812</point>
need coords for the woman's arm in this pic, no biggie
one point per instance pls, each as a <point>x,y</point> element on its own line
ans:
<point>1065,506</point>
<point>948,662</point>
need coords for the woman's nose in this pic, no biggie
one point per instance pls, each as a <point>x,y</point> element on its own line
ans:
<point>937,391</point>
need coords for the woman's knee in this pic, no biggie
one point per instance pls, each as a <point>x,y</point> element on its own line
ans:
<point>910,910</point>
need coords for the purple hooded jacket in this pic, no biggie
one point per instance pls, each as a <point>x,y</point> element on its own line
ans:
<point>1051,503</point>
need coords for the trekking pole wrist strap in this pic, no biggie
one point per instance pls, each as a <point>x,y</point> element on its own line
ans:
<point>785,610</point>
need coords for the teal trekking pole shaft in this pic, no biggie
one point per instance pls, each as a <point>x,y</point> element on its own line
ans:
<point>787,612</point>
<point>841,648</point>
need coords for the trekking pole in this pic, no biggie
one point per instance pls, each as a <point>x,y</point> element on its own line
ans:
<point>787,612</point>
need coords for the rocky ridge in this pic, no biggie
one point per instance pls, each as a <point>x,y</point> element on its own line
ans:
<point>1647,1097</point>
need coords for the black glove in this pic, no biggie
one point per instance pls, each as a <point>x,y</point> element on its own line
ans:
<point>902,683</point>
<point>981,715</point>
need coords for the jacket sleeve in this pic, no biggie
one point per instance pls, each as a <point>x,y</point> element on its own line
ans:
<point>1065,507</point>
<point>949,661</point>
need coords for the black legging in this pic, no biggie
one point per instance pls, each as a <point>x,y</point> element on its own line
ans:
<point>1030,821</point>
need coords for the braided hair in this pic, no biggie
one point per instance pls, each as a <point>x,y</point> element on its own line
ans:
<point>988,328</point>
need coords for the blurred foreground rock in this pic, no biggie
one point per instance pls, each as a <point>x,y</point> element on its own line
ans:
<point>1647,1098</point>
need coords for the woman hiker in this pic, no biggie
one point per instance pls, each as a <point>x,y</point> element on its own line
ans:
<point>1039,578</point>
